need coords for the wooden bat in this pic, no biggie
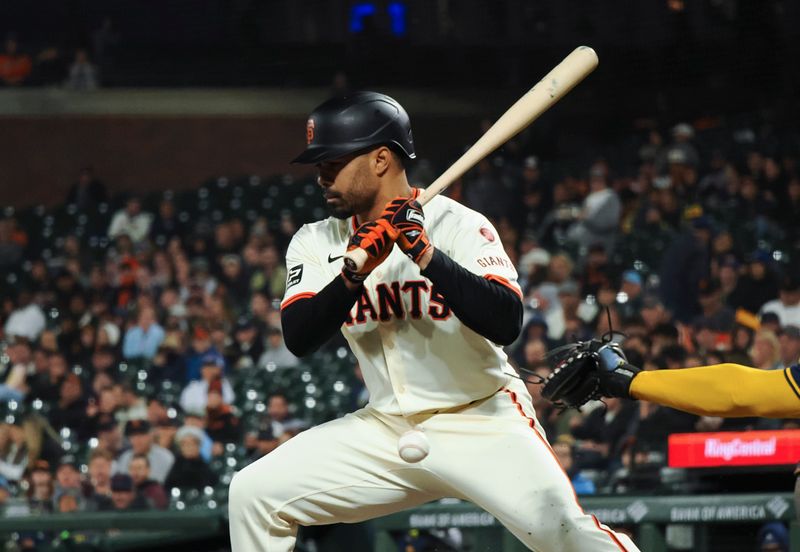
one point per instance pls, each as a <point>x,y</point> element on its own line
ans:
<point>554,86</point>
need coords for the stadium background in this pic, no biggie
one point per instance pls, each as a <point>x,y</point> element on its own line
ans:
<point>195,109</point>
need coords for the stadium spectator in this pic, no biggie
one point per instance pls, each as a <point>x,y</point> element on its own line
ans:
<point>165,430</point>
<point>130,221</point>
<point>773,537</point>
<point>279,414</point>
<point>248,345</point>
<point>601,433</point>
<point>198,420</point>
<point>712,307</point>
<point>131,405</point>
<point>143,339</point>
<point>15,371</point>
<point>5,493</point>
<point>787,305</point>
<point>70,410</point>
<point>235,281</point>
<point>190,471</point>
<point>222,425</point>
<point>100,465</point>
<point>40,488</point>
<point>149,489</point>
<point>27,319</point>
<point>276,353</point>
<point>24,440</point>
<point>141,440</point>
<point>68,500</point>
<point>166,224</point>
<point>123,495</point>
<point>790,346</point>
<point>563,447</point>
<point>766,351</point>
<point>82,73</point>
<point>11,247</point>
<point>194,397</point>
<point>757,286</point>
<point>88,191</point>
<point>202,351</point>
<point>15,67</point>
<point>600,213</point>
<point>265,442</point>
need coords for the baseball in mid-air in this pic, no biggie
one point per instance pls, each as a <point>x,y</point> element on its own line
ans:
<point>413,445</point>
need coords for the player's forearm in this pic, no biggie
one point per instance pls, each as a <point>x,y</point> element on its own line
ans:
<point>474,299</point>
<point>727,390</point>
<point>310,322</point>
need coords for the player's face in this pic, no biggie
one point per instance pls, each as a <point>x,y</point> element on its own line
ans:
<point>348,185</point>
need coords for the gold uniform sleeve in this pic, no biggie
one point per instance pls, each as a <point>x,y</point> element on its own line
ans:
<point>725,390</point>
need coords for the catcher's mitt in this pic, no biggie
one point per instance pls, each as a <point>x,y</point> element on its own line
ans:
<point>575,380</point>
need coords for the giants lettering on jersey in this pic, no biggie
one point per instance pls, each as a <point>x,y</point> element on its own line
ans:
<point>485,262</point>
<point>398,300</point>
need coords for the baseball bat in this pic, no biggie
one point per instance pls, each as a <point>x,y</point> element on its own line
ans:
<point>551,88</point>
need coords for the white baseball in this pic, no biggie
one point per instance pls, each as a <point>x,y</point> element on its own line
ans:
<point>413,445</point>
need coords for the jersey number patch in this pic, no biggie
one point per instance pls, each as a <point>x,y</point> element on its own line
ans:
<point>294,276</point>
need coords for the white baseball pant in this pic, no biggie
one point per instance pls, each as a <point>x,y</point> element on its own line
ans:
<point>492,453</point>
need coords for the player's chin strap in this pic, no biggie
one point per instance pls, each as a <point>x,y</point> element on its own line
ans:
<point>563,352</point>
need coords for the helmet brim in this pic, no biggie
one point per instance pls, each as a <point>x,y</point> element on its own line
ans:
<point>317,154</point>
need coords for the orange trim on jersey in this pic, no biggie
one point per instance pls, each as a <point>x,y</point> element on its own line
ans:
<point>415,192</point>
<point>503,281</point>
<point>532,425</point>
<point>293,298</point>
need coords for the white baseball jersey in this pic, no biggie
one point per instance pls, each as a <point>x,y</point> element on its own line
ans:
<point>415,355</point>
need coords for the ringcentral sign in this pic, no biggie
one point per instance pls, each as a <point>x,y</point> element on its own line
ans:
<point>751,448</point>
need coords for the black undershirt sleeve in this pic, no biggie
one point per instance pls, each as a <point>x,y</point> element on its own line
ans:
<point>488,308</point>
<point>310,322</point>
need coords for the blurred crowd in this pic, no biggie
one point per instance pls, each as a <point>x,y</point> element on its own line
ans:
<point>53,64</point>
<point>122,363</point>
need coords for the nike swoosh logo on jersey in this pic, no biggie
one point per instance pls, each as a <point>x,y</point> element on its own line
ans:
<point>332,258</point>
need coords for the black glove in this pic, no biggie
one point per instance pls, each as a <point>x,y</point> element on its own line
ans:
<point>574,380</point>
<point>589,370</point>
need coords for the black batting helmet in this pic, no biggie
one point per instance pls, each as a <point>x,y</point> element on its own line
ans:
<point>353,123</point>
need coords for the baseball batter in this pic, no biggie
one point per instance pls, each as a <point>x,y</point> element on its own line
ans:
<point>426,320</point>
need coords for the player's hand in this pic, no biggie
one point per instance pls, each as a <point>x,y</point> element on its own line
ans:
<point>406,216</point>
<point>615,372</point>
<point>376,238</point>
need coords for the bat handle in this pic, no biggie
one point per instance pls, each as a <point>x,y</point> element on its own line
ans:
<point>354,260</point>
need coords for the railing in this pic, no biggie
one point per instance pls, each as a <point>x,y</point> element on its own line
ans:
<point>647,515</point>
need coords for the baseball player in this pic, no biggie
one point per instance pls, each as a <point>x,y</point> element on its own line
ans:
<point>726,390</point>
<point>426,320</point>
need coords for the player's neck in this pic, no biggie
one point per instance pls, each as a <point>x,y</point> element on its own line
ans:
<point>398,186</point>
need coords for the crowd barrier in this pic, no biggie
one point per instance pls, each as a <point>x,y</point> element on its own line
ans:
<point>647,516</point>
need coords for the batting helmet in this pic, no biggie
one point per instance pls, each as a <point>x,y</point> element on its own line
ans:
<point>353,123</point>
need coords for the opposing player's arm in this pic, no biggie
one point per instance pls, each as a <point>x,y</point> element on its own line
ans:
<point>727,390</point>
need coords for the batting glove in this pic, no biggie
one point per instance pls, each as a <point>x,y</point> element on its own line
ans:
<point>376,238</point>
<point>406,217</point>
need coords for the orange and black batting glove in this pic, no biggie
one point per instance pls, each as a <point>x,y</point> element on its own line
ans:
<point>406,216</point>
<point>376,238</point>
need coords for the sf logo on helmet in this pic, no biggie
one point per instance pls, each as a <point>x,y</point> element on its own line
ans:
<point>310,131</point>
